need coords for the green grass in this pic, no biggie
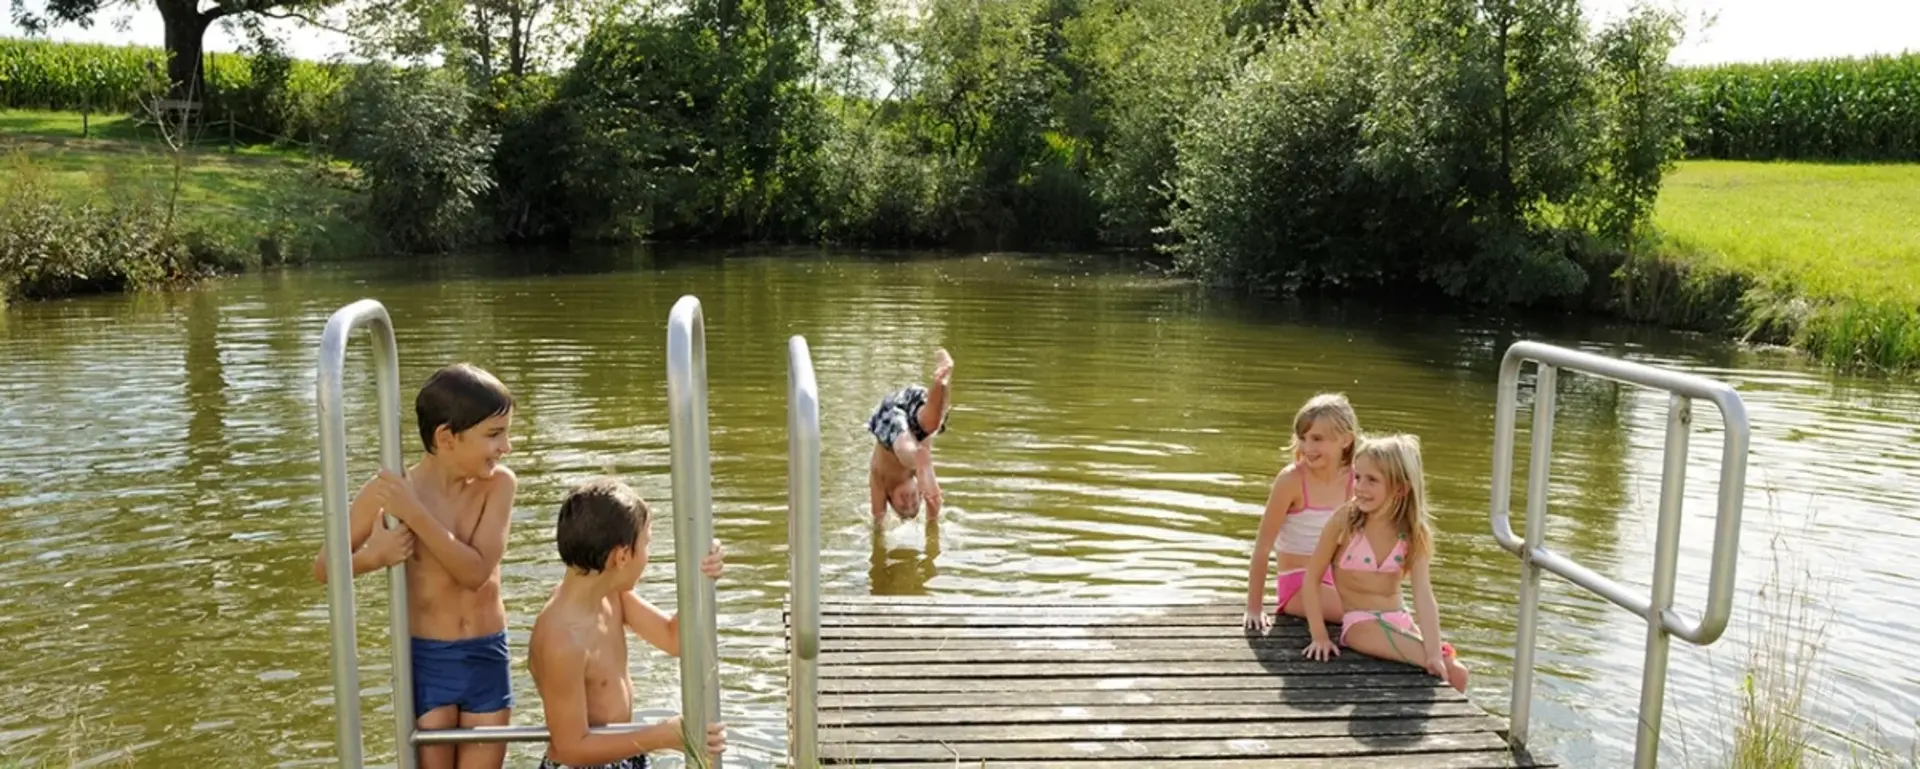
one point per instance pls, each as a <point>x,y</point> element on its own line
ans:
<point>1828,255</point>
<point>279,199</point>
<point>1836,231</point>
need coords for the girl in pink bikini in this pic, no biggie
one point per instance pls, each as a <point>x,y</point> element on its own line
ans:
<point>1377,540</point>
<point>1303,497</point>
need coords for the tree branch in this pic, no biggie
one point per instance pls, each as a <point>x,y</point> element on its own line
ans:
<point>310,21</point>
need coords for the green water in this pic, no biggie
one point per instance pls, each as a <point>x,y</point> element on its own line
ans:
<point>1112,435</point>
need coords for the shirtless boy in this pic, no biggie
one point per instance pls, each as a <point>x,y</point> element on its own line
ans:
<point>453,506</point>
<point>578,653</point>
<point>900,473</point>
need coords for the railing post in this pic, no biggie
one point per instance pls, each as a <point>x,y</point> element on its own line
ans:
<point>1666,559</point>
<point>803,549</point>
<point>333,499</point>
<point>1539,465</point>
<point>692,524</point>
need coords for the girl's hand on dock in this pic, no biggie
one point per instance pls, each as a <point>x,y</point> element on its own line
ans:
<point>1322,650</point>
<point>1437,664</point>
<point>1258,619</point>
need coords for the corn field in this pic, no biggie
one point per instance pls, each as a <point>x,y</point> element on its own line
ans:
<point>1835,109</point>
<point>37,74</point>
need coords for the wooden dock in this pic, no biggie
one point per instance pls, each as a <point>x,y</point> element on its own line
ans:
<point>917,682</point>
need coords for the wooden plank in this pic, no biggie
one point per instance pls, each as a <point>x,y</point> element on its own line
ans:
<point>1299,666</point>
<point>1032,619</point>
<point>936,643</point>
<point>1010,600</point>
<point>1307,747</point>
<point>1025,699</point>
<point>1055,610</point>
<point>1042,631</point>
<point>1007,655</point>
<point>1162,731</point>
<point>1485,759</point>
<point>1308,711</point>
<point>1407,680</point>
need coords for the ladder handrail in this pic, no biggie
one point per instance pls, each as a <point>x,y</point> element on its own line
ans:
<point>692,523</point>
<point>1657,608</point>
<point>803,549</point>
<point>334,498</point>
<point>693,528</point>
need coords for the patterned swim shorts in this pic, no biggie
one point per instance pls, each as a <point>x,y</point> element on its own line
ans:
<point>899,414</point>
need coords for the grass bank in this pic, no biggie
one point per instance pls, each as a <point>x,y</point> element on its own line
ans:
<point>122,206</point>
<point>1825,257</point>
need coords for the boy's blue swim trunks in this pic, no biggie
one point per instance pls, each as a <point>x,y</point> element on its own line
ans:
<point>470,673</point>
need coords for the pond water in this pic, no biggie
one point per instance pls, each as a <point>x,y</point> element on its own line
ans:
<point>1113,435</point>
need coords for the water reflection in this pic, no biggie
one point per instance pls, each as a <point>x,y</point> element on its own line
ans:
<point>904,570</point>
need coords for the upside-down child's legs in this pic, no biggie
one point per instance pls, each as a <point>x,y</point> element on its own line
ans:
<point>935,409</point>
<point>1377,638</point>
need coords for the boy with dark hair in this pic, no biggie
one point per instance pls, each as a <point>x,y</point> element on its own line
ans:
<point>453,507</point>
<point>578,652</point>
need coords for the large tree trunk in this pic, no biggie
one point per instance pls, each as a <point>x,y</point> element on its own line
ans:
<point>185,29</point>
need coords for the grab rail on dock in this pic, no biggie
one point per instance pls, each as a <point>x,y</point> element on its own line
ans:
<point>693,529</point>
<point>371,315</point>
<point>803,550</point>
<point>692,519</point>
<point>1662,619</point>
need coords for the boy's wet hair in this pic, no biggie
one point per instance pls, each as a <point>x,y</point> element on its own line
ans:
<point>459,396</point>
<point>596,517</point>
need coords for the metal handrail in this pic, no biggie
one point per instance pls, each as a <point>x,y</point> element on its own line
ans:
<point>692,522</point>
<point>373,316</point>
<point>1657,608</point>
<point>803,550</point>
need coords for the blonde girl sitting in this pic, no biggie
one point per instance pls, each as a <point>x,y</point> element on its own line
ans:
<point>1381,538</point>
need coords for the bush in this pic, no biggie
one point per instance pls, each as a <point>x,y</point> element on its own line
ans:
<point>425,162</point>
<point>1454,144</point>
<point>52,246</point>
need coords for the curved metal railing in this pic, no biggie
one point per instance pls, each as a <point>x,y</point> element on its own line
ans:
<point>1662,620</point>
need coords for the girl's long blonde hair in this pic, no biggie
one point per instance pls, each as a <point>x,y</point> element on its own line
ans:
<point>1398,458</point>
<point>1332,407</point>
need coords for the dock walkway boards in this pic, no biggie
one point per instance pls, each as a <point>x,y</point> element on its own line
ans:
<point>945,682</point>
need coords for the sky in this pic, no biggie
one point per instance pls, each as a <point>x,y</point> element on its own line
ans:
<point>1743,30</point>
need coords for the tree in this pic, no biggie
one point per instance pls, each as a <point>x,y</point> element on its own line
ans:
<point>184,22</point>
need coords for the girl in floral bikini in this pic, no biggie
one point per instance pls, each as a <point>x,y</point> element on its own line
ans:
<point>1381,538</point>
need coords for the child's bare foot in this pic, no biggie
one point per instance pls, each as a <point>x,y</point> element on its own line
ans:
<point>1456,674</point>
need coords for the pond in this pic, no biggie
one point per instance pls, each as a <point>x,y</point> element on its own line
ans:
<point>1113,435</point>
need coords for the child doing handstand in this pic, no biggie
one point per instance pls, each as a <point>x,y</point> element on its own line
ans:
<point>1382,537</point>
<point>904,424</point>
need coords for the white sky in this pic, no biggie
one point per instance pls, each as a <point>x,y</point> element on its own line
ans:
<point>1745,30</point>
